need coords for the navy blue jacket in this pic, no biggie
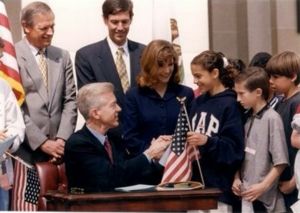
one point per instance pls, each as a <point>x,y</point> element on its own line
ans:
<point>95,63</point>
<point>147,115</point>
<point>88,166</point>
<point>219,117</point>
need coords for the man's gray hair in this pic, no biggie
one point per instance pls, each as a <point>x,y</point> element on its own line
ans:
<point>32,9</point>
<point>90,96</point>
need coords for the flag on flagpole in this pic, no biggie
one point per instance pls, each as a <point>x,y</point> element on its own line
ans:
<point>179,163</point>
<point>8,65</point>
<point>176,45</point>
<point>165,27</point>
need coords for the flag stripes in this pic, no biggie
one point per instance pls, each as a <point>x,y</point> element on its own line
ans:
<point>10,49</point>
<point>4,18</point>
<point>9,68</point>
<point>179,163</point>
<point>179,168</point>
<point>19,190</point>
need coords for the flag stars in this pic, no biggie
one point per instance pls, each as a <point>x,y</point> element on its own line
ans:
<point>181,154</point>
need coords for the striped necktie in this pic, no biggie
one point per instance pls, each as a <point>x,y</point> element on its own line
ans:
<point>121,68</point>
<point>42,62</point>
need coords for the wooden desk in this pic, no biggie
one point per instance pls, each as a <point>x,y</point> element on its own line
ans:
<point>134,201</point>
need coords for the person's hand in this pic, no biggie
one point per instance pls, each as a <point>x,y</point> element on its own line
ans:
<point>236,186</point>
<point>196,139</point>
<point>158,146</point>
<point>54,159</point>
<point>3,135</point>
<point>54,148</point>
<point>254,191</point>
<point>165,139</point>
<point>286,187</point>
<point>4,182</point>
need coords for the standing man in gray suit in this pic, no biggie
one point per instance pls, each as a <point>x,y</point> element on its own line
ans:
<point>49,109</point>
<point>98,62</point>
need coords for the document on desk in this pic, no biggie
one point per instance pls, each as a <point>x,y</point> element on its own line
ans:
<point>134,188</point>
<point>296,206</point>
<point>5,144</point>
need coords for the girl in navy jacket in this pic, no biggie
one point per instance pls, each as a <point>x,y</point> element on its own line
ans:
<point>217,124</point>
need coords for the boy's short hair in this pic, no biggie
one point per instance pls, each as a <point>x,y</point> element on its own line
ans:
<point>285,64</point>
<point>254,78</point>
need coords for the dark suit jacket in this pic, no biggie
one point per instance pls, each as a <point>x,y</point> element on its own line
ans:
<point>88,165</point>
<point>51,114</point>
<point>95,63</point>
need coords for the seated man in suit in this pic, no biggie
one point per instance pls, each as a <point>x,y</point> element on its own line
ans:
<point>93,161</point>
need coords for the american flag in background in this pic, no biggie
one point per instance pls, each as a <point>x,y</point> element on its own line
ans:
<point>8,65</point>
<point>179,163</point>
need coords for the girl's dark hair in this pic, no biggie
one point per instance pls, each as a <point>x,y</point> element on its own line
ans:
<point>210,60</point>
<point>260,59</point>
<point>254,78</point>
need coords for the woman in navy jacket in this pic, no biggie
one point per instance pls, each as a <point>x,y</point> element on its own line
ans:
<point>151,108</point>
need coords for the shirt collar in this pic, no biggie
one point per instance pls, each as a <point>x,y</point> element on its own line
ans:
<point>98,135</point>
<point>32,48</point>
<point>113,47</point>
<point>260,113</point>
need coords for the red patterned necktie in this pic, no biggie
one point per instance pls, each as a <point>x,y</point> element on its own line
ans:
<point>108,149</point>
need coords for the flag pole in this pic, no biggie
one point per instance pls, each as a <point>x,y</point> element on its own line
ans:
<point>181,100</point>
<point>20,160</point>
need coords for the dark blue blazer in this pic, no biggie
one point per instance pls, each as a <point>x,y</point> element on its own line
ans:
<point>95,63</point>
<point>88,166</point>
<point>147,115</point>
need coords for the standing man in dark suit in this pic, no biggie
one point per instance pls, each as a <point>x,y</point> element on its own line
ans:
<point>49,109</point>
<point>98,62</point>
<point>93,161</point>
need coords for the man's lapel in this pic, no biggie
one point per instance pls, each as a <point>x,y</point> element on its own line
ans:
<point>107,64</point>
<point>54,71</point>
<point>33,71</point>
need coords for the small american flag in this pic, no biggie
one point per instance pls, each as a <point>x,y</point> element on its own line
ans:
<point>32,190</point>
<point>26,188</point>
<point>179,163</point>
